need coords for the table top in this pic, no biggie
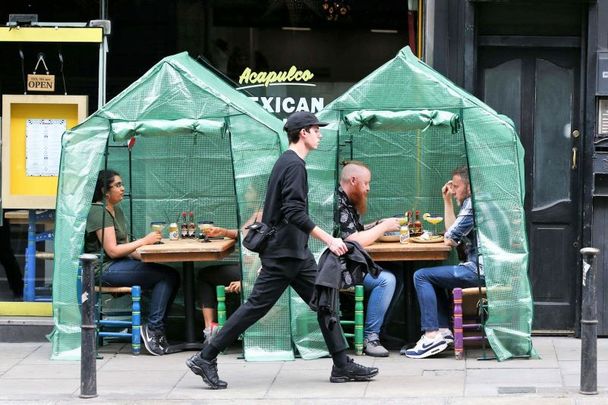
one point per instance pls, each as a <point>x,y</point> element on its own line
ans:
<point>187,250</point>
<point>395,251</point>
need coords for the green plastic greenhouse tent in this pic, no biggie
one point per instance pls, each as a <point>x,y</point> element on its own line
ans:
<point>200,146</point>
<point>413,127</point>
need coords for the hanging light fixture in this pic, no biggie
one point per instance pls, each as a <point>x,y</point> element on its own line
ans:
<point>335,9</point>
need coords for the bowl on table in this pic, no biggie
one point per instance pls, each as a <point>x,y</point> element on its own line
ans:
<point>389,237</point>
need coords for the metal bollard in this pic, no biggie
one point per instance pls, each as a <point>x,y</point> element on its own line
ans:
<point>588,325</point>
<point>88,371</point>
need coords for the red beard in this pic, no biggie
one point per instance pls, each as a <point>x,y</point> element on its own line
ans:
<point>359,199</point>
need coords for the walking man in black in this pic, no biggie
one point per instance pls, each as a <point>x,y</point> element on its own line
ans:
<point>286,260</point>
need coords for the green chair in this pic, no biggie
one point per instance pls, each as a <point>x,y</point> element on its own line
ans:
<point>357,323</point>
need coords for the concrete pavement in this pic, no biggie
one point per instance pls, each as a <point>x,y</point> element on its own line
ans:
<point>27,375</point>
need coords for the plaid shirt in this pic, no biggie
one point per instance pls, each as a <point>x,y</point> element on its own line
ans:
<point>462,230</point>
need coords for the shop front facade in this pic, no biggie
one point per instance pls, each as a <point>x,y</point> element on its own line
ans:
<point>534,61</point>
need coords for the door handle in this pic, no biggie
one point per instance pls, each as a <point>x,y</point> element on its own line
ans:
<point>574,150</point>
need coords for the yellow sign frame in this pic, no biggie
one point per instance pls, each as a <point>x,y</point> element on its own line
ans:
<point>18,189</point>
<point>51,34</point>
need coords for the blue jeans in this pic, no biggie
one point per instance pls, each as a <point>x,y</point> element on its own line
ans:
<point>162,280</point>
<point>430,286</point>
<point>382,289</point>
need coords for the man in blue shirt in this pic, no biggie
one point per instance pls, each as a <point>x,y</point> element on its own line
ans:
<point>430,282</point>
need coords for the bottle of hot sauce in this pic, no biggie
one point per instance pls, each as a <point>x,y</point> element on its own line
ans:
<point>191,226</point>
<point>417,224</point>
<point>184,226</point>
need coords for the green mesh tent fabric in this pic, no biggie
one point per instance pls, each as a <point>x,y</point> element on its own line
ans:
<point>200,146</point>
<point>413,127</point>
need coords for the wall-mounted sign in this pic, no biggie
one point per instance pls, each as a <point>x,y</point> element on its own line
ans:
<point>602,119</point>
<point>41,82</point>
<point>282,92</point>
<point>32,126</point>
<point>43,146</point>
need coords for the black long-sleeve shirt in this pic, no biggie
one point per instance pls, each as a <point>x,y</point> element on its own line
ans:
<point>287,199</point>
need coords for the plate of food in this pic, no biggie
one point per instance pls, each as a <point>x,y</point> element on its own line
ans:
<point>427,239</point>
<point>389,237</point>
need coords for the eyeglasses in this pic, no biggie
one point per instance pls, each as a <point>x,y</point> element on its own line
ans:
<point>117,185</point>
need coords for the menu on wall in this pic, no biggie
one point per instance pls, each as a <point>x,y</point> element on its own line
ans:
<point>43,146</point>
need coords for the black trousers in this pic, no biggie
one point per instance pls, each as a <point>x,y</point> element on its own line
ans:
<point>275,277</point>
<point>8,261</point>
<point>210,277</point>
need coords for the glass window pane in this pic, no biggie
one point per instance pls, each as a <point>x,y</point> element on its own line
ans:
<point>502,89</point>
<point>552,145</point>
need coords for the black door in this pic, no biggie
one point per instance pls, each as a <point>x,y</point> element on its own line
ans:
<point>539,89</point>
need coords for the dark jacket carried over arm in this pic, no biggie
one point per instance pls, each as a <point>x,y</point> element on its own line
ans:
<point>338,272</point>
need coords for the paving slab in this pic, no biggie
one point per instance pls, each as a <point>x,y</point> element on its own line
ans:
<point>27,375</point>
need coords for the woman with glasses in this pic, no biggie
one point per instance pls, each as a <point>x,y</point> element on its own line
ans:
<point>121,265</point>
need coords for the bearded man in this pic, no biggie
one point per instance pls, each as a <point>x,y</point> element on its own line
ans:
<point>352,204</point>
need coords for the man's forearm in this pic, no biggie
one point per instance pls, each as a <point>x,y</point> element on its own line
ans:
<point>321,235</point>
<point>448,213</point>
<point>366,238</point>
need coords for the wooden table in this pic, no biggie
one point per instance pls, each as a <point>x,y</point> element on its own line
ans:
<point>187,251</point>
<point>406,252</point>
<point>395,251</point>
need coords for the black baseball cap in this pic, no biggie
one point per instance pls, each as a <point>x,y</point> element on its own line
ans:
<point>302,119</point>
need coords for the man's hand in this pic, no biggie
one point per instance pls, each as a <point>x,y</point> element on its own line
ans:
<point>337,246</point>
<point>446,190</point>
<point>389,224</point>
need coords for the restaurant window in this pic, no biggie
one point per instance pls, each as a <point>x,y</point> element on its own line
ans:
<point>294,55</point>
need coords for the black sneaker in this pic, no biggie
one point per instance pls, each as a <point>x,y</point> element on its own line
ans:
<point>164,343</point>
<point>352,372</point>
<point>152,341</point>
<point>208,370</point>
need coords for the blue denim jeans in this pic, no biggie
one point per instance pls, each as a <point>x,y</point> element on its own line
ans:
<point>431,284</point>
<point>382,289</point>
<point>162,280</point>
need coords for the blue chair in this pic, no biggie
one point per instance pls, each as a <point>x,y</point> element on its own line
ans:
<point>113,328</point>
<point>110,328</point>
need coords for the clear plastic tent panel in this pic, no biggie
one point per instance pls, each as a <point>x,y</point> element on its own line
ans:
<point>384,120</point>
<point>200,146</point>
<point>221,175</point>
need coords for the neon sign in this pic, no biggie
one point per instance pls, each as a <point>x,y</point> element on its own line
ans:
<point>282,104</point>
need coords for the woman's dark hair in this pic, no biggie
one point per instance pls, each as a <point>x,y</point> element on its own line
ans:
<point>104,179</point>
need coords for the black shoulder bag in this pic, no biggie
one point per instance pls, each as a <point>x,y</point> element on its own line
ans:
<point>259,234</point>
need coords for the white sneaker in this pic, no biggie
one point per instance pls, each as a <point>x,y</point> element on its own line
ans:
<point>447,335</point>
<point>427,347</point>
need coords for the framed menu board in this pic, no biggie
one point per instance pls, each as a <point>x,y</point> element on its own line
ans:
<point>32,126</point>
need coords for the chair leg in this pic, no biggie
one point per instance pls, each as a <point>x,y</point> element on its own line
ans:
<point>359,319</point>
<point>135,319</point>
<point>458,329</point>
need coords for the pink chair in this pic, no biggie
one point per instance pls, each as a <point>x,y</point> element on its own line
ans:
<point>467,304</point>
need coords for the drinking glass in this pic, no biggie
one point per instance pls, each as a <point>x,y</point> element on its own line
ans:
<point>203,227</point>
<point>435,221</point>
<point>158,226</point>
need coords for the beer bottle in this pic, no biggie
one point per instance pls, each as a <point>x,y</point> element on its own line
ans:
<point>191,226</point>
<point>184,226</point>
